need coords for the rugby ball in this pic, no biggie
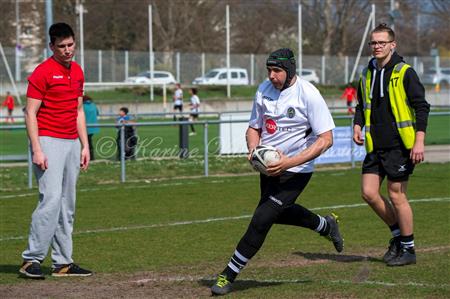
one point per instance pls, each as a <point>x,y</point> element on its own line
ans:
<point>262,156</point>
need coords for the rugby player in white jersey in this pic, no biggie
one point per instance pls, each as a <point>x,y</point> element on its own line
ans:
<point>290,114</point>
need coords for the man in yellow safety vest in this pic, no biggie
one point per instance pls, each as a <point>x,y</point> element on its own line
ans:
<point>393,109</point>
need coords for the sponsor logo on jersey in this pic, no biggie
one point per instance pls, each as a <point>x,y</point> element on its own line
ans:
<point>271,126</point>
<point>58,77</point>
<point>268,98</point>
<point>291,112</point>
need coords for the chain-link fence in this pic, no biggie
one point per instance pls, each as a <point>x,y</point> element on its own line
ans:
<point>116,66</point>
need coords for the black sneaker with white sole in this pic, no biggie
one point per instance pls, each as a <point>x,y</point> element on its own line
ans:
<point>334,235</point>
<point>70,270</point>
<point>31,270</point>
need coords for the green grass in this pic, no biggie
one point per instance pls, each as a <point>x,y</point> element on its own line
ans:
<point>202,249</point>
<point>142,94</point>
<point>14,142</point>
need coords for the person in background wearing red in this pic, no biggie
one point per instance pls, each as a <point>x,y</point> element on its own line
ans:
<point>56,128</point>
<point>9,104</point>
<point>350,95</point>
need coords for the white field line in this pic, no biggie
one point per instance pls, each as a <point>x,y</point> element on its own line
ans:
<point>367,282</point>
<point>208,220</point>
<point>111,188</point>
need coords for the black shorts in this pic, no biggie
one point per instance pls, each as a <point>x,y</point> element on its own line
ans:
<point>178,107</point>
<point>194,115</point>
<point>394,163</point>
<point>283,190</point>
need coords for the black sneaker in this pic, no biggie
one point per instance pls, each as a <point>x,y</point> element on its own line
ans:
<point>31,270</point>
<point>70,270</point>
<point>334,235</point>
<point>222,286</point>
<point>393,250</point>
<point>405,257</point>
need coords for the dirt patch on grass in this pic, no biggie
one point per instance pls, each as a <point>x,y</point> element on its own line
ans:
<point>179,282</point>
<point>136,285</point>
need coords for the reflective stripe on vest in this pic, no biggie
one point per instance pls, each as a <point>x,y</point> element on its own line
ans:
<point>403,114</point>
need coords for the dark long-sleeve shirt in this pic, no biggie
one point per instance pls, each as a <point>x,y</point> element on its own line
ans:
<point>383,126</point>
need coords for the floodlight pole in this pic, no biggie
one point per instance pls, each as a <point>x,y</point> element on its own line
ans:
<point>150,50</point>
<point>300,41</point>
<point>228,49</point>
<point>48,23</point>
<point>18,47</point>
<point>81,19</point>
<point>363,41</point>
<point>392,12</point>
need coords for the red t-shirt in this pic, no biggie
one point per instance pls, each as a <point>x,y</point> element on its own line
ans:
<point>349,94</point>
<point>58,87</point>
<point>9,102</point>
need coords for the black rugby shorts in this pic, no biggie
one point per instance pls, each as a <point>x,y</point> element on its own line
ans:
<point>394,163</point>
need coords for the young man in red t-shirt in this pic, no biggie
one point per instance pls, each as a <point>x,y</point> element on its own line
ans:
<point>9,104</point>
<point>56,125</point>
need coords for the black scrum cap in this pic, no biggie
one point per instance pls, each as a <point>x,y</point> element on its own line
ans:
<point>284,59</point>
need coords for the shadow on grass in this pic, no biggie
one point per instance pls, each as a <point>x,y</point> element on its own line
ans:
<point>342,258</point>
<point>244,284</point>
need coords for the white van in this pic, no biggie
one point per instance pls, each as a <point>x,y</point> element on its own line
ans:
<point>238,76</point>
<point>159,77</point>
<point>310,75</point>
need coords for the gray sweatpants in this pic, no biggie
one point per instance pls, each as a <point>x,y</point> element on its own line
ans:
<point>52,220</point>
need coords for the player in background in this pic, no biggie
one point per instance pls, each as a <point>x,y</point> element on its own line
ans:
<point>194,105</point>
<point>392,107</point>
<point>349,95</point>
<point>289,114</point>
<point>177,100</point>
<point>9,104</point>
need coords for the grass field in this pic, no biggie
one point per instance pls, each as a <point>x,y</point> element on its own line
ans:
<point>168,238</point>
<point>14,142</point>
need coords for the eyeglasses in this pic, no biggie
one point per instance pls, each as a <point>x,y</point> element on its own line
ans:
<point>382,44</point>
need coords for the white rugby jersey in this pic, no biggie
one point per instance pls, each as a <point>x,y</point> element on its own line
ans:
<point>178,97</point>
<point>195,103</point>
<point>286,117</point>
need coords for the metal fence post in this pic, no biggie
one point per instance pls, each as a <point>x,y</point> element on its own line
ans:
<point>323,70</point>
<point>122,153</point>
<point>252,69</point>
<point>164,98</point>
<point>30,167</point>
<point>352,144</point>
<point>346,69</point>
<point>178,67</point>
<point>100,65</point>
<point>205,143</point>
<point>126,64</point>
<point>203,64</point>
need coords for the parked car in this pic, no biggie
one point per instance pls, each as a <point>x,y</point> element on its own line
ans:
<point>310,75</point>
<point>441,76</point>
<point>238,76</point>
<point>159,77</point>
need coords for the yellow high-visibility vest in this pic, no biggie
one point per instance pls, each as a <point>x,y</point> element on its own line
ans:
<point>404,115</point>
